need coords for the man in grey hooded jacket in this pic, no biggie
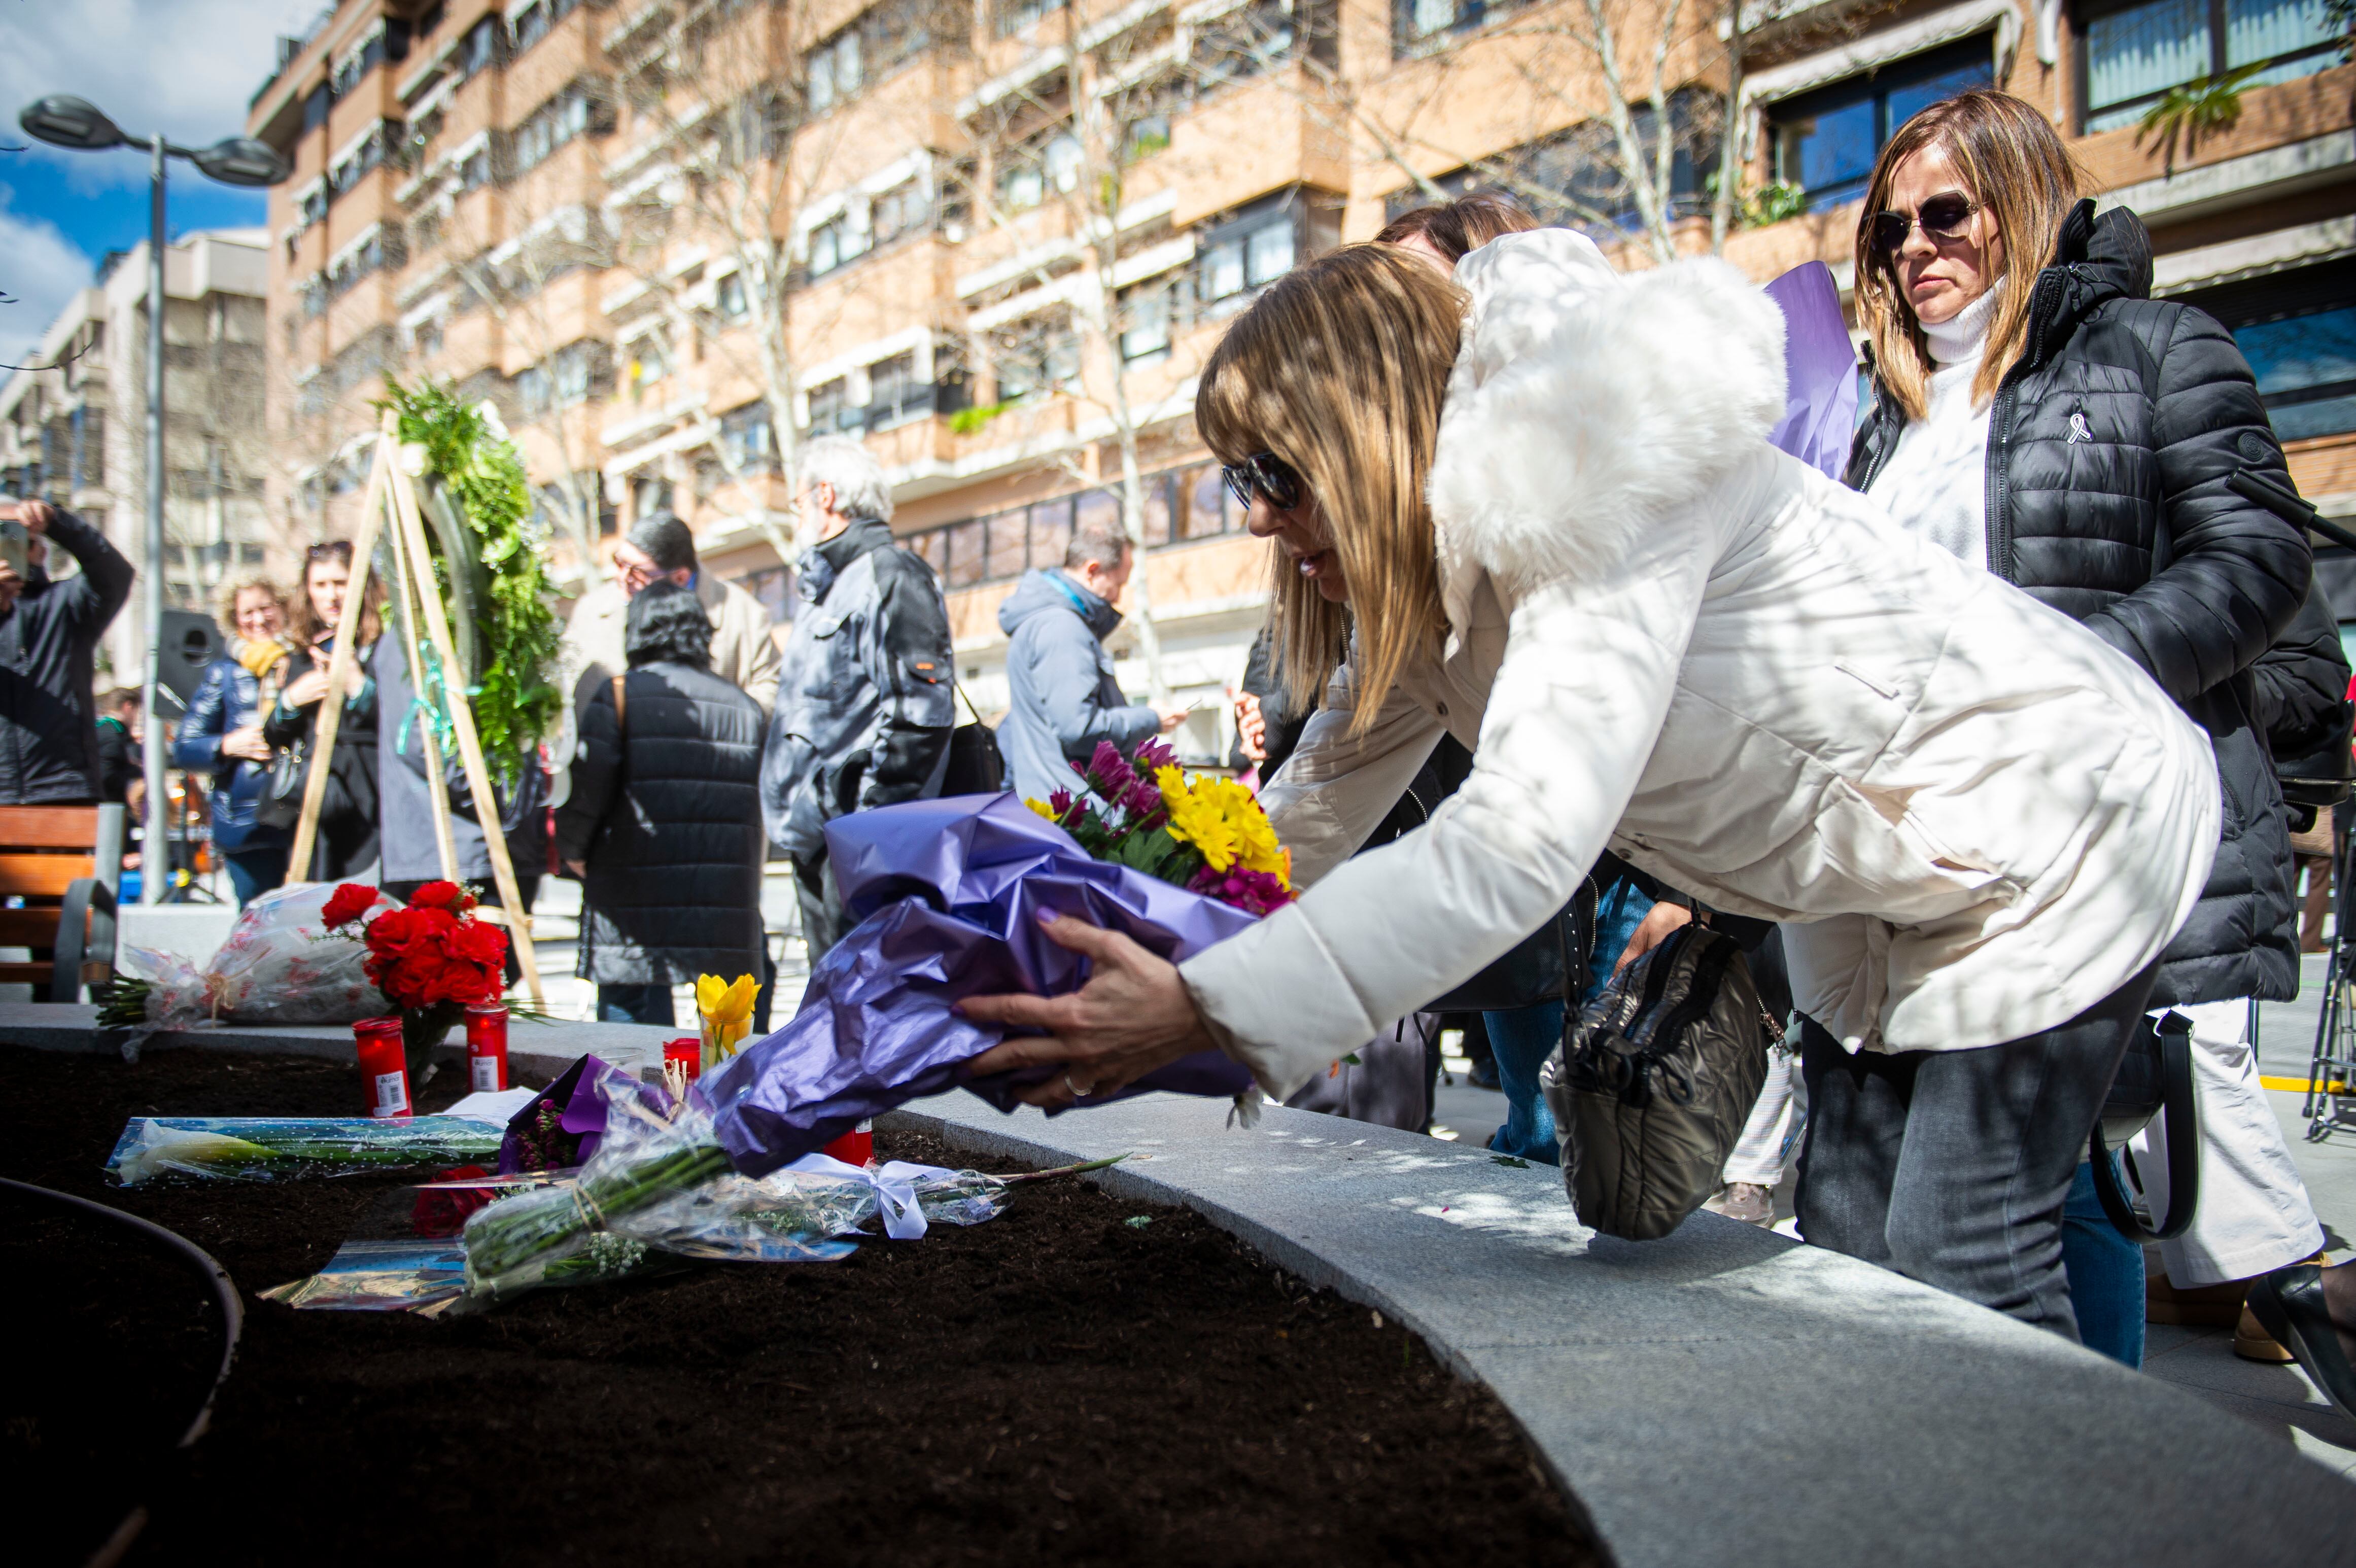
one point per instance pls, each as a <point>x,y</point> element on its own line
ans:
<point>1063,698</point>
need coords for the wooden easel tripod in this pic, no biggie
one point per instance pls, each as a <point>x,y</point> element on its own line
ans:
<point>391,490</point>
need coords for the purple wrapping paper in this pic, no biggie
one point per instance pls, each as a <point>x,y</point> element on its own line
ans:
<point>951,891</point>
<point>1820,370</point>
<point>580,1089</point>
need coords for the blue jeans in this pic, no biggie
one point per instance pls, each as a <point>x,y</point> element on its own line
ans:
<point>2106,1272</point>
<point>635,1004</point>
<point>255,871</point>
<point>1524,1038</point>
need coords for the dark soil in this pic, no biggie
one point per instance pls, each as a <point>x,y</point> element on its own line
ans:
<point>1055,1385</point>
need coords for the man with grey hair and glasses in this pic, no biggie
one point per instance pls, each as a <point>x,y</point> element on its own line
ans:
<point>864,702</point>
<point>1062,699</point>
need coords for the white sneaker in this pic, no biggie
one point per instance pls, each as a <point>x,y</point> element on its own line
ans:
<point>1745,1200</point>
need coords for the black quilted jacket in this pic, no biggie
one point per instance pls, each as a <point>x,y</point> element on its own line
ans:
<point>666,810</point>
<point>2110,448</point>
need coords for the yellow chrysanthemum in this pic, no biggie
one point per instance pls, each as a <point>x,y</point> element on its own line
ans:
<point>1042,808</point>
<point>1196,817</point>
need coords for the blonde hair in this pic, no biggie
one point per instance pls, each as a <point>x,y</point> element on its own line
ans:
<point>237,588</point>
<point>1340,369</point>
<point>2015,166</point>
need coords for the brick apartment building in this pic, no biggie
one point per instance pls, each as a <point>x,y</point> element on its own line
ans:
<point>996,238</point>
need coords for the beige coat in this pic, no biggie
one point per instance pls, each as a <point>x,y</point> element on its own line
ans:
<point>742,651</point>
<point>1667,639</point>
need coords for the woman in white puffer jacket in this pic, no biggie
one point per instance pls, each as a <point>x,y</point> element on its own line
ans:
<point>1548,503</point>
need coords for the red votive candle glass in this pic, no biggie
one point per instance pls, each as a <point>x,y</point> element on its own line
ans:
<point>384,1066</point>
<point>487,1047</point>
<point>687,1052</point>
<point>856,1146</point>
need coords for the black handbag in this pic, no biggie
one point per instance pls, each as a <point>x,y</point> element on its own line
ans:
<point>2155,1074</point>
<point>976,765</point>
<point>1655,1081</point>
<point>280,804</point>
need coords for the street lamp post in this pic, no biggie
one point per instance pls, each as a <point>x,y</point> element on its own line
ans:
<point>64,120</point>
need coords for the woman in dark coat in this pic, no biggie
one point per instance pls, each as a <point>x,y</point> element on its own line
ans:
<point>348,812</point>
<point>2037,413</point>
<point>664,823</point>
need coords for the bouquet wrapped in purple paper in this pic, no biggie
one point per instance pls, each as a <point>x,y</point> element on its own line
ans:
<point>951,891</point>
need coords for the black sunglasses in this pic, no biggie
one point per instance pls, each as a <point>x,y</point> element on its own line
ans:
<point>1263,474</point>
<point>1943,217</point>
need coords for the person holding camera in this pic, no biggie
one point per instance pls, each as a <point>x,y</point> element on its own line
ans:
<point>48,637</point>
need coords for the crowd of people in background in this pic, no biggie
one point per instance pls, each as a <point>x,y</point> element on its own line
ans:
<point>2036,416</point>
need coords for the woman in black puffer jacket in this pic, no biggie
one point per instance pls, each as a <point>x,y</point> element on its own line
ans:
<point>664,823</point>
<point>2108,452</point>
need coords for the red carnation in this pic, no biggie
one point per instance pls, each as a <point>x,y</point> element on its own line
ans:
<point>480,942</point>
<point>346,904</point>
<point>441,895</point>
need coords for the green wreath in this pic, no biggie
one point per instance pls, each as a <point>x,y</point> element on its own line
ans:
<point>475,494</point>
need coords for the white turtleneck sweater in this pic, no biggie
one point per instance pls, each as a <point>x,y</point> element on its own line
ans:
<point>1935,484</point>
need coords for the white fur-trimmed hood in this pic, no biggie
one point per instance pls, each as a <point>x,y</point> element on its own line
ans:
<point>1586,402</point>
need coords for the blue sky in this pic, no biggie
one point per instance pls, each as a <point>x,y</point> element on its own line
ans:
<point>187,66</point>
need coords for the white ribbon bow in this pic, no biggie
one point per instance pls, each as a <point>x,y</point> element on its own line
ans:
<point>895,1186</point>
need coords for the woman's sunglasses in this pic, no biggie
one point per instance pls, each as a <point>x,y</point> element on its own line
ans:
<point>1944,217</point>
<point>1263,474</point>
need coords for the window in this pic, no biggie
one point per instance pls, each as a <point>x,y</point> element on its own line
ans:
<point>1145,316</point>
<point>1030,171</point>
<point>429,335</point>
<point>2133,54</point>
<point>480,50</point>
<point>894,396</point>
<point>370,153</point>
<point>578,370</point>
<point>831,408</point>
<point>833,70</point>
<point>902,209</point>
<point>2298,329</point>
<point>1256,245</point>
<point>1008,549</point>
<point>841,239</point>
<point>315,108</point>
<point>356,65</point>
<point>649,496</point>
<point>580,107</point>
<point>1825,141</point>
<point>476,172</point>
<point>728,295</point>
<point>883,37</point>
<point>1418,25</point>
<point>1037,356</point>
<point>1013,16</point>
<point>431,18</point>
<point>774,587</point>
<point>650,358</point>
<point>531,391</point>
<point>745,444</point>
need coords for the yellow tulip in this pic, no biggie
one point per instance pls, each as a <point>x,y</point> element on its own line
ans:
<point>727,1011</point>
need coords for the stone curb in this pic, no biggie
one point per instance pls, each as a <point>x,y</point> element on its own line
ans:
<point>1722,1396</point>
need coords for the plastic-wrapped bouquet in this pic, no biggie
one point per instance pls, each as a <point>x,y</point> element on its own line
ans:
<point>1205,834</point>
<point>285,962</point>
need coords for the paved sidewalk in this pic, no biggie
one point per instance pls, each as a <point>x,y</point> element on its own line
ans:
<point>1723,1395</point>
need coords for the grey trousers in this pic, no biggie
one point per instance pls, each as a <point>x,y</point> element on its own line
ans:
<point>1951,1166</point>
<point>824,920</point>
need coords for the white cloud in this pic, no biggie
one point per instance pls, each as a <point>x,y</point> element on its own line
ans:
<point>186,68</point>
<point>44,271</point>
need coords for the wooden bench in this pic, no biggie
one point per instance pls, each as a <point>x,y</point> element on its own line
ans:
<point>63,862</point>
